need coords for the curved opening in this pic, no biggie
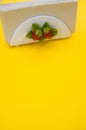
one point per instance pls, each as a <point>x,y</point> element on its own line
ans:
<point>19,36</point>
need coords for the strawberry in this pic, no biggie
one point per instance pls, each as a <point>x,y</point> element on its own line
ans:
<point>41,33</point>
<point>48,32</point>
<point>35,33</point>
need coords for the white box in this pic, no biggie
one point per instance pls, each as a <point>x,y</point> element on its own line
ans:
<point>18,18</point>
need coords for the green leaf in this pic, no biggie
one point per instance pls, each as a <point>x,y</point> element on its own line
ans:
<point>46,24</point>
<point>46,30</point>
<point>35,27</point>
<point>29,35</point>
<point>55,31</point>
<point>39,32</point>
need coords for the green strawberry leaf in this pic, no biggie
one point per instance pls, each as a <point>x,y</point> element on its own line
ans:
<point>39,32</point>
<point>54,31</point>
<point>35,26</point>
<point>46,30</point>
<point>46,24</point>
<point>29,35</point>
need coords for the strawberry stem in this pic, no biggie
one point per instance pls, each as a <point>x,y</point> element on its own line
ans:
<point>39,32</point>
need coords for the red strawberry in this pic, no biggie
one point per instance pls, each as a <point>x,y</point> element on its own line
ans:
<point>36,36</point>
<point>47,31</point>
<point>35,33</point>
<point>48,34</point>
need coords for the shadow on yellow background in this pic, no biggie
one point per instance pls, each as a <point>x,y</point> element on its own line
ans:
<point>43,86</point>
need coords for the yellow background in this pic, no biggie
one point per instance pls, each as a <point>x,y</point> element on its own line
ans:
<point>43,86</point>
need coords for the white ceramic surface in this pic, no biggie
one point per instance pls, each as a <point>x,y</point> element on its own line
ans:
<point>19,36</point>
